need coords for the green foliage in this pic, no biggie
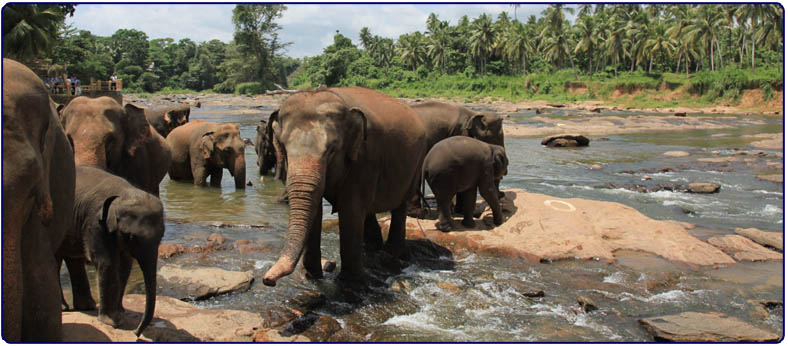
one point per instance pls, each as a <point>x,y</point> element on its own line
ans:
<point>30,30</point>
<point>250,88</point>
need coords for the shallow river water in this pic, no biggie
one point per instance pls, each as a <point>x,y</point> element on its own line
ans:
<point>473,298</point>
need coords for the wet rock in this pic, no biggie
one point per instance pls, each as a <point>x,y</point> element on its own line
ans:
<point>704,327</point>
<point>246,246</point>
<point>249,183</point>
<point>596,110</point>
<point>523,288</point>
<point>775,178</point>
<point>300,324</point>
<point>307,300</point>
<point>328,265</point>
<point>196,283</point>
<point>276,316</point>
<point>169,250</point>
<point>401,286</point>
<point>173,321</point>
<point>565,140</point>
<point>772,239</point>
<point>744,249</point>
<point>770,304</point>
<point>675,154</point>
<point>323,328</point>
<point>540,110</point>
<point>272,335</point>
<point>450,287</point>
<point>587,304</point>
<point>217,239</point>
<point>556,105</point>
<point>704,187</point>
<point>680,114</point>
<point>353,332</point>
<point>595,167</point>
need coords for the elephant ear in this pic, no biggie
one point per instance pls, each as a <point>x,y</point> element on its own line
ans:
<point>207,144</point>
<point>272,120</point>
<point>167,118</point>
<point>59,108</point>
<point>476,121</point>
<point>135,126</point>
<point>108,224</point>
<point>357,117</point>
<point>500,161</point>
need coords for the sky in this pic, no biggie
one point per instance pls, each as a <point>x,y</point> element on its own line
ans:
<point>309,27</point>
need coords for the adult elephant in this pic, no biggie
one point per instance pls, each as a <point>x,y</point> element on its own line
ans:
<point>118,140</point>
<point>360,150</point>
<point>113,223</point>
<point>38,198</point>
<point>201,149</point>
<point>165,119</point>
<point>269,152</point>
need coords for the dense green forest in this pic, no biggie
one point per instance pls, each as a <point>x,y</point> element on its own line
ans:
<point>714,49</point>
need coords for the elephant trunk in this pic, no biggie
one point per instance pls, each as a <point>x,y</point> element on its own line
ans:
<point>89,155</point>
<point>239,171</point>
<point>147,261</point>
<point>305,192</point>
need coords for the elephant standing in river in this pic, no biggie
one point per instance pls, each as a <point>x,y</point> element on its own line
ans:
<point>38,198</point>
<point>117,139</point>
<point>269,152</point>
<point>461,165</point>
<point>360,150</point>
<point>201,149</point>
<point>165,119</point>
<point>113,223</point>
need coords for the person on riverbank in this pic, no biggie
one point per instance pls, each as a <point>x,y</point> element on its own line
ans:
<point>113,81</point>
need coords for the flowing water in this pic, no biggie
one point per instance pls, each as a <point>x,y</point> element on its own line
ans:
<point>476,298</point>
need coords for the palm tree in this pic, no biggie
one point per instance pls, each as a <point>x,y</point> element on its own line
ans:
<point>753,12</point>
<point>437,49</point>
<point>411,49</point>
<point>703,30</point>
<point>658,43</point>
<point>680,18</point>
<point>770,32</point>
<point>614,45</point>
<point>555,42</point>
<point>366,37</point>
<point>29,30</point>
<point>482,39</point>
<point>517,44</point>
<point>515,7</point>
<point>588,33</point>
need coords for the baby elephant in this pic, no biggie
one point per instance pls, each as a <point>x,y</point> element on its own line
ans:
<point>201,149</point>
<point>113,223</point>
<point>459,165</point>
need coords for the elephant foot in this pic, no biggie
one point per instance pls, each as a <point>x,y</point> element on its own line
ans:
<point>497,220</point>
<point>313,275</point>
<point>114,320</point>
<point>501,195</point>
<point>86,305</point>
<point>469,223</point>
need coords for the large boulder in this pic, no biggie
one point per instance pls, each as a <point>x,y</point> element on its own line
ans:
<point>565,140</point>
<point>704,327</point>
<point>196,283</point>
<point>541,227</point>
<point>704,187</point>
<point>744,249</point>
<point>773,239</point>
<point>173,321</point>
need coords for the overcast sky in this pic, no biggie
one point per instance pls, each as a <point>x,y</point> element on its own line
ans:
<point>310,27</point>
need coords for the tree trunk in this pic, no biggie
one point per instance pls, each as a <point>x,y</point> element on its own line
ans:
<point>711,56</point>
<point>752,38</point>
<point>678,63</point>
<point>719,53</point>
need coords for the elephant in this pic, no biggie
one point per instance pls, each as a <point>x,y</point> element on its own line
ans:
<point>38,199</point>
<point>117,139</point>
<point>167,118</point>
<point>359,149</point>
<point>113,223</point>
<point>443,120</point>
<point>201,149</point>
<point>461,165</point>
<point>268,149</point>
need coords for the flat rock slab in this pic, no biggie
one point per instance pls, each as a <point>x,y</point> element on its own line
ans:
<point>744,249</point>
<point>566,140</point>
<point>676,154</point>
<point>173,321</point>
<point>541,227</point>
<point>704,327</point>
<point>773,239</point>
<point>775,178</point>
<point>195,283</point>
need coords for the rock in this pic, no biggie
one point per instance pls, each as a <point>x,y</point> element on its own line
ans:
<point>272,335</point>
<point>249,183</point>
<point>450,287</point>
<point>307,300</point>
<point>556,105</point>
<point>540,111</point>
<point>676,154</point>
<point>196,283</point>
<point>322,329</point>
<point>704,327</point>
<point>401,286</point>
<point>704,187</point>
<point>595,167</point>
<point>301,324</point>
<point>540,227</point>
<point>216,238</point>
<point>680,114</point>
<point>566,140</point>
<point>775,178</point>
<point>328,265</point>
<point>523,288</point>
<point>169,250</point>
<point>276,316</point>
<point>247,246</point>
<point>587,304</point>
<point>773,239</point>
<point>596,110</point>
<point>173,321</point>
<point>744,249</point>
<point>353,332</point>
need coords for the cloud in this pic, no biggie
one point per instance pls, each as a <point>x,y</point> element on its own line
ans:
<point>310,27</point>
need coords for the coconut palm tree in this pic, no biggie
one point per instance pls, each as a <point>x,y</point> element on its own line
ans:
<point>366,37</point>
<point>482,39</point>
<point>770,32</point>
<point>588,32</point>
<point>614,45</point>
<point>703,31</point>
<point>554,38</point>
<point>680,19</point>
<point>659,42</point>
<point>751,12</point>
<point>438,49</point>
<point>517,46</point>
<point>29,30</point>
<point>411,49</point>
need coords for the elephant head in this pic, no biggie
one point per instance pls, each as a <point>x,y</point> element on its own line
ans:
<point>500,161</point>
<point>178,115</point>
<point>486,127</point>
<point>104,133</point>
<point>136,219</point>
<point>264,145</point>
<point>322,136</point>
<point>224,148</point>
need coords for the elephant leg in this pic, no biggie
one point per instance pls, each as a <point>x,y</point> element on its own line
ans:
<point>41,312</point>
<point>468,206</point>
<point>489,192</point>
<point>458,204</point>
<point>216,177</point>
<point>501,195</point>
<point>444,209</point>
<point>124,270</point>
<point>199,174</point>
<point>108,292</point>
<point>351,224</point>
<point>63,304</point>
<point>80,284</point>
<point>395,244</point>
<point>373,239</point>
<point>312,253</point>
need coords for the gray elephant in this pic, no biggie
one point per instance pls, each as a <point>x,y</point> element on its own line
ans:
<point>461,165</point>
<point>268,149</point>
<point>117,139</point>
<point>201,149</point>
<point>114,222</point>
<point>354,147</point>
<point>165,119</point>
<point>38,198</point>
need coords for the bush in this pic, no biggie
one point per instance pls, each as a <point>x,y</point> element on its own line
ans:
<point>250,88</point>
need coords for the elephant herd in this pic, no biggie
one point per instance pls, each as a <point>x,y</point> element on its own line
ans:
<point>81,185</point>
